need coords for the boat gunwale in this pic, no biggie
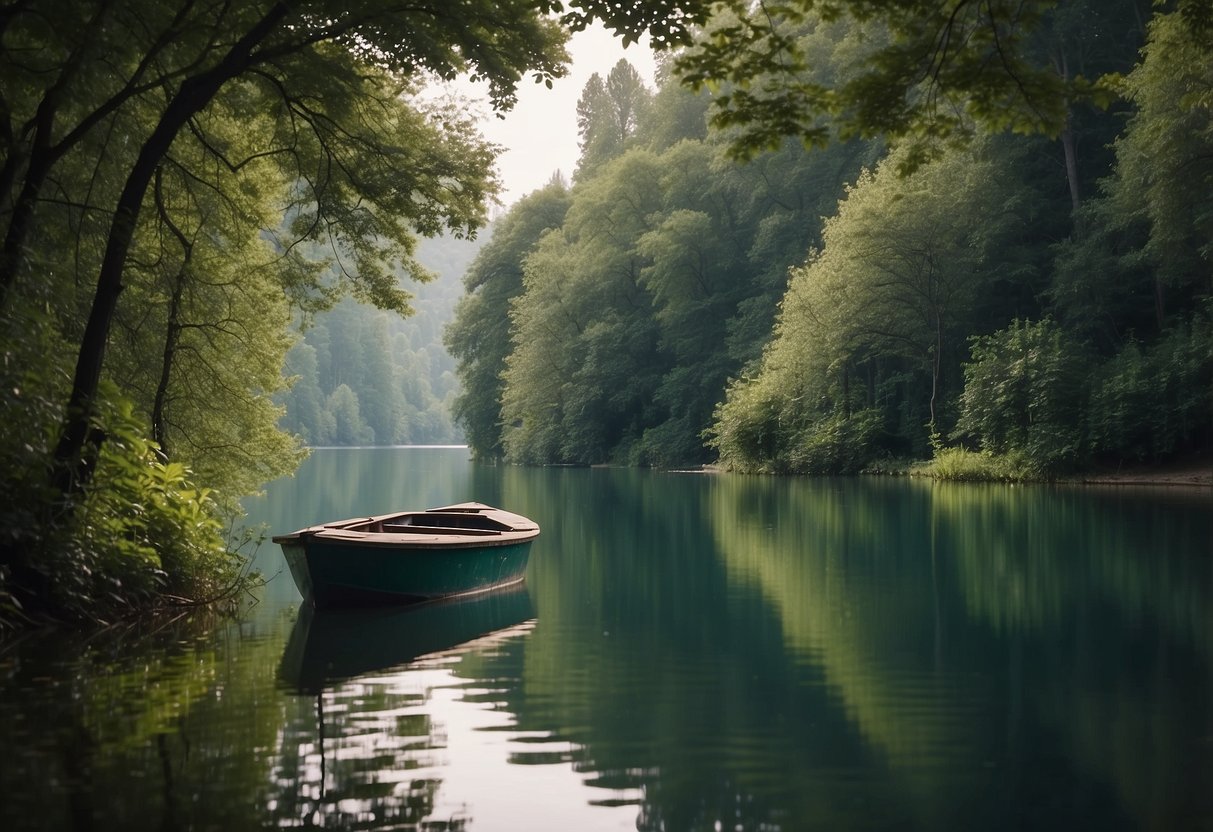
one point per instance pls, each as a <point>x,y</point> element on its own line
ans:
<point>408,540</point>
<point>515,529</point>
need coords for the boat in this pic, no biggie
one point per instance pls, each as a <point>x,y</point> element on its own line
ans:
<point>410,556</point>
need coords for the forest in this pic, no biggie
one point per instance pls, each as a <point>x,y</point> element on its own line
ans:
<point>838,233</point>
<point>1007,301</point>
<point>359,375</point>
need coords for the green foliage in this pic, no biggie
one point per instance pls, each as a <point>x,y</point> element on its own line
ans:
<point>930,70</point>
<point>1164,162</point>
<point>1024,393</point>
<point>1150,403</point>
<point>479,335</point>
<point>905,268</point>
<point>146,523</point>
<point>608,114</point>
<point>746,431</point>
<point>963,465</point>
<point>142,535</point>
<point>664,279</point>
<point>585,360</point>
<point>211,167</point>
<point>660,282</point>
<point>838,443</point>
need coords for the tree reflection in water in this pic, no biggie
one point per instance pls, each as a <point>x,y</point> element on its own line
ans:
<point>696,652</point>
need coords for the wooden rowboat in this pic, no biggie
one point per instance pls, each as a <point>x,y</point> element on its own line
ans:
<point>410,556</point>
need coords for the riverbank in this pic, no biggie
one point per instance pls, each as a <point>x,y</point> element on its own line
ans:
<point>1191,472</point>
<point>1196,472</point>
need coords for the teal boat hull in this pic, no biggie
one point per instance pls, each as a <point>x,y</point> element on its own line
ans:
<point>409,557</point>
<point>342,574</point>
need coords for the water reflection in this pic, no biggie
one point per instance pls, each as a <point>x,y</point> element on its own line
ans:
<point>136,728</point>
<point>387,685</point>
<point>688,652</point>
<point>1034,651</point>
<point>328,646</point>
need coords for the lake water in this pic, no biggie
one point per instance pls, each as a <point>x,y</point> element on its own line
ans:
<point>689,652</point>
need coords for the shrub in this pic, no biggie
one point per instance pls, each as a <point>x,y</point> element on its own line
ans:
<point>1023,395</point>
<point>836,444</point>
<point>961,464</point>
<point>1148,404</point>
<point>139,536</point>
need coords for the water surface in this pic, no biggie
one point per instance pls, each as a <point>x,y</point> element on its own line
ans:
<point>689,652</point>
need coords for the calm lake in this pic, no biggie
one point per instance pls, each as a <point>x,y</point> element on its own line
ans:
<point>689,652</point>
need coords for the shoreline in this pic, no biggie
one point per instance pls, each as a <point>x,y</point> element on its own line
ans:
<point>1197,473</point>
<point>1193,473</point>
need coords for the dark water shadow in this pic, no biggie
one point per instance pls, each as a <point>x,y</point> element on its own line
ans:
<point>326,647</point>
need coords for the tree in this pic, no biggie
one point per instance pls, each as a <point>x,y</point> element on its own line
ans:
<point>1024,394</point>
<point>286,55</point>
<point>142,138</point>
<point>585,359</point>
<point>1164,162</point>
<point>304,408</point>
<point>934,70</point>
<point>349,426</point>
<point>674,113</point>
<point>897,285</point>
<point>479,336</point>
<point>608,115</point>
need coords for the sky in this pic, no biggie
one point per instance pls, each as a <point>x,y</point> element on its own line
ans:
<point>540,134</point>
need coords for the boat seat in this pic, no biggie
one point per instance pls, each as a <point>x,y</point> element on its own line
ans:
<point>409,528</point>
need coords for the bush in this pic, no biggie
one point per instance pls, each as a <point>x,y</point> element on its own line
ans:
<point>746,428</point>
<point>140,535</point>
<point>961,464</point>
<point>836,444</point>
<point>1148,404</point>
<point>1023,396</point>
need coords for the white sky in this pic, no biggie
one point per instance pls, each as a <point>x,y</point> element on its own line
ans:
<point>540,134</point>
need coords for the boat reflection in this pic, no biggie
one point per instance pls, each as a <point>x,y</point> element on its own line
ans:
<point>330,646</point>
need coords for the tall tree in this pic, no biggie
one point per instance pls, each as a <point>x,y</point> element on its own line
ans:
<point>888,300</point>
<point>608,115</point>
<point>586,359</point>
<point>102,100</point>
<point>479,336</point>
<point>1164,163</point>
<point>281,54</point>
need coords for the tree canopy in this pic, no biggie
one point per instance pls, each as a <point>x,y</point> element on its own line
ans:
<point>177,178</point>
<point>1008,266</point>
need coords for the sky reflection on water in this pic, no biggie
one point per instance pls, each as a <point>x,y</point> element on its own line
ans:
<point>688,653</point>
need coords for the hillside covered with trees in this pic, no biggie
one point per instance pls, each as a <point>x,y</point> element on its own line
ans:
<point>365,376</point>
<point>766,274</point>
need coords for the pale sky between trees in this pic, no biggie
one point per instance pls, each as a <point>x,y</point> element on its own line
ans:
<point>540,133</point>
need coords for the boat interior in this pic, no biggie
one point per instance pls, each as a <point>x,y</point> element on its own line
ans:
<point>433,522</point>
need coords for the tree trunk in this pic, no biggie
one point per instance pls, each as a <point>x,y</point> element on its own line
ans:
<point>70,471</point>
<point>20,221</point>
<point>1067,145</point>
<point>936,362</point>
<point>1062,65</point>
<point>172,335</point>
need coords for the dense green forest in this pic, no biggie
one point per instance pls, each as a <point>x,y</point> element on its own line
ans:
<point>1008,299</point>
<point>364,376</point>
<point>838,231</point>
